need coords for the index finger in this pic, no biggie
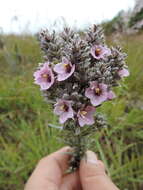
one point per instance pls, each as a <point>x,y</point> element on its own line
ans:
<point>49,171</point>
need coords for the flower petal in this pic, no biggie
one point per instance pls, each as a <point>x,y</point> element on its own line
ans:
<point>59,68</point>
<point>123,73</point>
<point>103,87</point>
<point>66,115</point>
<point>111,95</point>
<point>89,93</point>
<point>97,100</point>
<point>64,76</point>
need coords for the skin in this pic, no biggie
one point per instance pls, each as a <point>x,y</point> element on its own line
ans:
<point>49,174</point>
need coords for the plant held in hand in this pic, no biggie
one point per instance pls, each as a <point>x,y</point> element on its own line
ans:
<point>78,75</point>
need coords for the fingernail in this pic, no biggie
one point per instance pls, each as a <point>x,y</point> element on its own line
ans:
<point>91,157</point>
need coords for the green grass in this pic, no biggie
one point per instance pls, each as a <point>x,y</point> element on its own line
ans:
<point>24,117</point>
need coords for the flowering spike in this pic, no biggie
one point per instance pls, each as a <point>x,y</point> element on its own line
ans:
<point>83,70</point>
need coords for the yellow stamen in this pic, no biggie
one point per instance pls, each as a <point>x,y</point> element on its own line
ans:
<point>97,91</point>
<point>62,108</point>
<point>83,113</point>
<point>45,75</point>
<point>65,65</point>
<point>98,51</point>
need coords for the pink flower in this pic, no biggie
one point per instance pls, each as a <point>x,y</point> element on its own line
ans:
<point>100,52</point>
<point>98,93</point>
<point>86,116</point>
<point>111,95</point>
<point>64,109</point>
<point>44,77</point>
<point>123,73</point>
<point>64,69</point>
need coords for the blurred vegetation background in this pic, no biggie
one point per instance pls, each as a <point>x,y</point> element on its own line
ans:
<point>24,115</point>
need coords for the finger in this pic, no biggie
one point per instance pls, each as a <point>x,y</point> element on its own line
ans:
<point>49,171</point>
<point>71,181</point>
<point>60,158</point>
<point>93,175</point>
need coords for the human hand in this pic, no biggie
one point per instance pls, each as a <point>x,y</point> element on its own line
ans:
<point>50,174</point>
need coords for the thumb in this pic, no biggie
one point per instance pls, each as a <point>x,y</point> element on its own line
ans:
<point>92,174</point>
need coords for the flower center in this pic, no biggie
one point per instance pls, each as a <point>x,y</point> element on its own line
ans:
<point>83,113</point>
<point>47,77</point>
<point>98,51</point>
<point>64,108</point>
<point>67,68</point>
<point>97,91</point>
